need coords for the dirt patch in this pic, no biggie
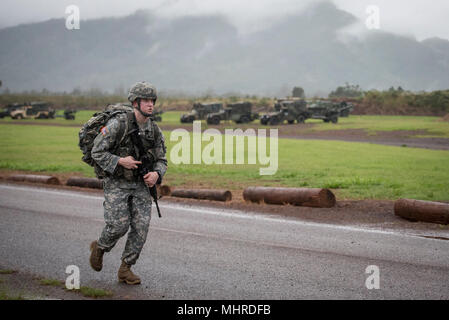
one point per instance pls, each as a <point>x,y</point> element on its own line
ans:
<point>400,138</point>
<point>366,213</point>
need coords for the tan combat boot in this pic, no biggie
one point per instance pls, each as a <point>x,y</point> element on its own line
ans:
<point>96,256</point>
<point>126,275</point>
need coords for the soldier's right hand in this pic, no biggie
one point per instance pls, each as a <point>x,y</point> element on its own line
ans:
<point>129,162</point>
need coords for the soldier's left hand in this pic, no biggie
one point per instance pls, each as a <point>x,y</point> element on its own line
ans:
<point>151,178</point>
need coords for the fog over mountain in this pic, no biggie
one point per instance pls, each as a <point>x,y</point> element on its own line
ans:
<point>194,54</point>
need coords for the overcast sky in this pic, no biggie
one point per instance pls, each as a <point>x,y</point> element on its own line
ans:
<point>418,18</point>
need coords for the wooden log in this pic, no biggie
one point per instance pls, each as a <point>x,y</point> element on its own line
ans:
<point>419,210</point>
<point>163,190</point>
<point>308,197</point>
<point>204,194</point>
<point>93,183</point>
<point>35,179</point>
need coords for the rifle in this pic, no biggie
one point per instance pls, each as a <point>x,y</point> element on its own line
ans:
<point>147,164</point>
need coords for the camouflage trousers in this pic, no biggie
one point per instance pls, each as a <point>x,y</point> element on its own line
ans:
<point>126,209</point>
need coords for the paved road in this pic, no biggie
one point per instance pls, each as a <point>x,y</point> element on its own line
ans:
<point>199,253</point>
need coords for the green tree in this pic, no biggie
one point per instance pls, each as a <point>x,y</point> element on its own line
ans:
<point>298,92</point>
<point>348,91</point>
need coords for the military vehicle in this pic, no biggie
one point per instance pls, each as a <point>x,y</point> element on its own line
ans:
<point>200,111</point>
<point>10,107</point>
<point>345,108</point>
<point>36,110</point>
<point>157,115</point>
<point>69,114</point>
<point>325,110</point>
<point>239,112</point>
<point>291,110</point>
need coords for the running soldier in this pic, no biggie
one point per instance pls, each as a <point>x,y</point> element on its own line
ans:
<point>127,202</point>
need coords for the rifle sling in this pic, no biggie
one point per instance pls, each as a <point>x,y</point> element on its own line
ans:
<point>136,140</point>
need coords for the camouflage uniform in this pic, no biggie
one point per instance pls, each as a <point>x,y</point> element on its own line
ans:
<point>127,199</point>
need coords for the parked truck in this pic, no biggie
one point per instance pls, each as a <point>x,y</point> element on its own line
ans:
<point>34,110</point>
<point>325,110</point>
<point>289,110</point>
<point>239,112</point>
<point>200,111</point>
<point>10,107</point>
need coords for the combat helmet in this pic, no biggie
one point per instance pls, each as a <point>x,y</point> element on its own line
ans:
<point>142,90</point>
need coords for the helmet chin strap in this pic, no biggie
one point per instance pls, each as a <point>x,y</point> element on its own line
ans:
<point>146,115</point>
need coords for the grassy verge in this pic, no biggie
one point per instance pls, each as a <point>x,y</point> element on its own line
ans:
<point>84,290</point>
<point>352,170</point>
<point>95,293</point>
<point>31,287</point>
<point>51,282</point>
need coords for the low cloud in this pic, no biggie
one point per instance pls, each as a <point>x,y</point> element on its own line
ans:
<point>418,18</point>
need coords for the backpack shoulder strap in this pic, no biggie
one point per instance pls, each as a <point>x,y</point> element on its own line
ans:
<point>124,125</point>
<point>155,129</point>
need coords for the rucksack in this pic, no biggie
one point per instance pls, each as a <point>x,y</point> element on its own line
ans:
<point>91,129</point>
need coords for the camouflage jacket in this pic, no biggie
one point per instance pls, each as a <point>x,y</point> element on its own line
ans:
<point>109,147</point>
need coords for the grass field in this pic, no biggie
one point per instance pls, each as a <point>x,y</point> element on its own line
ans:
<point>425,126</point>
<point>351,170</point>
